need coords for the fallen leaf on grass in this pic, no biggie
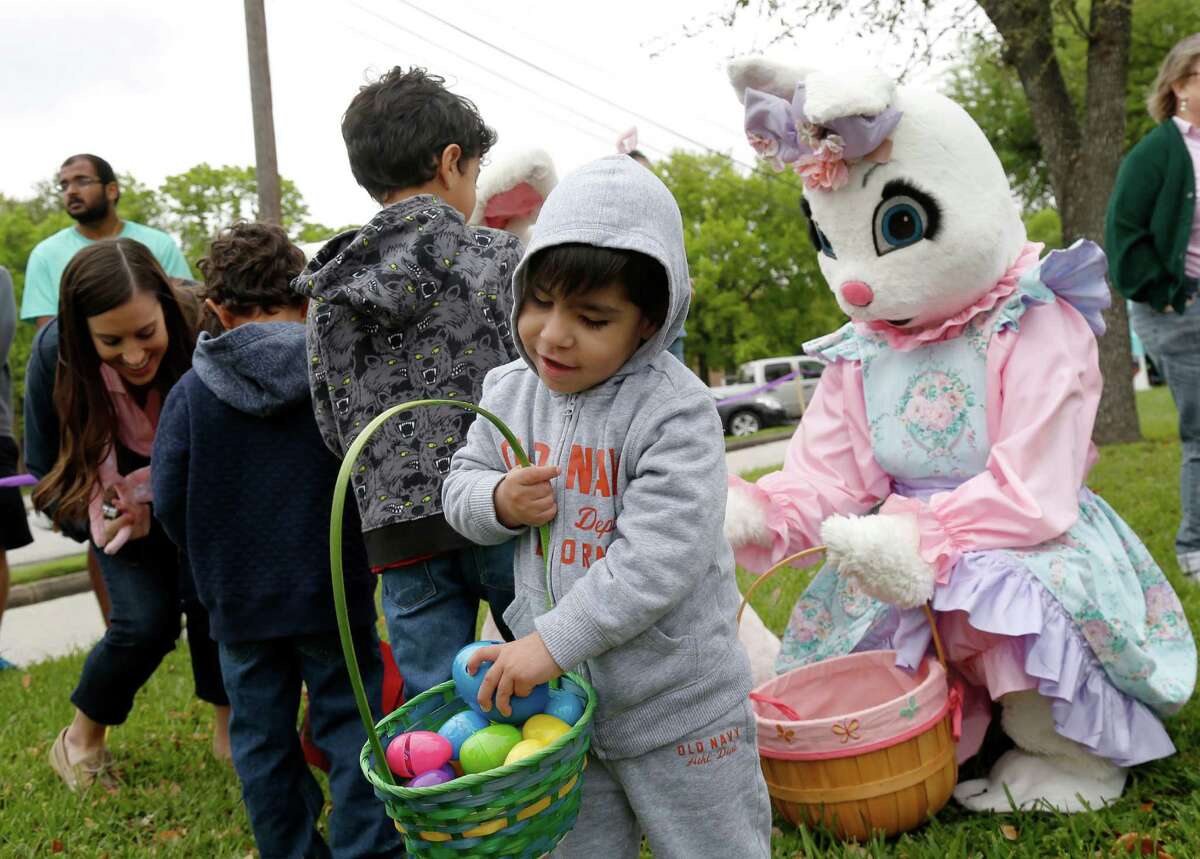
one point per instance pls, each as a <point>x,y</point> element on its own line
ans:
<point>169,834</point>
<point>1141,845</point>
<point>26,680</point>
<point>1010,832</point>
<point>1147,806</point>
<point>56,846</point>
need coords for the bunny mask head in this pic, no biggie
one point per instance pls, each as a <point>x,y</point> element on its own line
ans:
<point>908,205</point>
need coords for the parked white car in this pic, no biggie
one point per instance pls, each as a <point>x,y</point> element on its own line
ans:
<point>743,413</point>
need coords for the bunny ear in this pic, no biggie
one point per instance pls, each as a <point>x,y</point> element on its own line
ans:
<point>765,75</point>
<point>628,142</point>
<point>508,188</point>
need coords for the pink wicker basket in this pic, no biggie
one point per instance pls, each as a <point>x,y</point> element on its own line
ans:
<point>856,743</point>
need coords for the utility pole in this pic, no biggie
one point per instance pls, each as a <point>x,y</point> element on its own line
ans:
<point>266,168</point>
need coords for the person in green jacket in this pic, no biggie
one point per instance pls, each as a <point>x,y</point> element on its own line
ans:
<point>1152,234</point>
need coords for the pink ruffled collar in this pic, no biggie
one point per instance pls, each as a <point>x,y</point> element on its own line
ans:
<point>906,339</point>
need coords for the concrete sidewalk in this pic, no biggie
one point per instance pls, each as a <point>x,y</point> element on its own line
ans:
<point>56,627</point>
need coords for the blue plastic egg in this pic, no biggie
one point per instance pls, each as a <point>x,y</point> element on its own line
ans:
<point>460,726</point>
<point>467,688</point>
<point>564,705</point>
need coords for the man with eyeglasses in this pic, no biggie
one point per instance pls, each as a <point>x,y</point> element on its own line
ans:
<point>90,193</point>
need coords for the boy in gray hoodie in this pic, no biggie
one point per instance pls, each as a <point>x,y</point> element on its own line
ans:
<point>628,469</point>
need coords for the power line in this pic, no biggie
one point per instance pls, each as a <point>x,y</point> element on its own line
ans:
<point>559,78</point>
<point>490,72</point>
<point>607,138</point>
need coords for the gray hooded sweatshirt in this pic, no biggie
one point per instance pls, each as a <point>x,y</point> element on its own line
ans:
<point>641,577</point>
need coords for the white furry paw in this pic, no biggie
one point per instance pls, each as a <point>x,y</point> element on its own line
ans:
<point>882,554</point>
<point>1043,783</point>
<point>745,518</point>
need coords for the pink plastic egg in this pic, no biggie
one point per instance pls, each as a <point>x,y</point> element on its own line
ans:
<point>441,775</point>
<point>417,752</point>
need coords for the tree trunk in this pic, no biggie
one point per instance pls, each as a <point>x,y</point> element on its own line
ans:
<point>1082,162</point>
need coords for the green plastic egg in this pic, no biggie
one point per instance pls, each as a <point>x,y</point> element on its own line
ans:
<point>488,747</point>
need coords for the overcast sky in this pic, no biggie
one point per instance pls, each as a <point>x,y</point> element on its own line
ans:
<point>156,87</point>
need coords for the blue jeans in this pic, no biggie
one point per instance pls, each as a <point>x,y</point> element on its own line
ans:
<point>431,608</point>
<point>282,797</point>
<point>148,588</point>
<point>1172,341</point>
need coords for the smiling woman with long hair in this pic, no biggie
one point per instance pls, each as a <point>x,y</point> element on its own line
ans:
<point>124,337</point>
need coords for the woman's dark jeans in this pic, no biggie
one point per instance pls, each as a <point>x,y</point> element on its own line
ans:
<point>149,587</point>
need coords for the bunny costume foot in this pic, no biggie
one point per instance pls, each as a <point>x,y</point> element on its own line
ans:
<point>1047,772</point>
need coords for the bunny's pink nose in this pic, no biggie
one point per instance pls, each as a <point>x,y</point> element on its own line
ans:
<point>857,293</point>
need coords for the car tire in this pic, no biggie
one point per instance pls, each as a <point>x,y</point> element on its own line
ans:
<point>744,422</point>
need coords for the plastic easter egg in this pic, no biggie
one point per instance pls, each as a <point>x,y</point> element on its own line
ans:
<point>467,688</point>
<point>460,726</point>
<point>415,752</point>
<point>487,749</point>
<point>523,749</point>
<point>563,705</point>
<point>545,728</point>
<point>441,775</point>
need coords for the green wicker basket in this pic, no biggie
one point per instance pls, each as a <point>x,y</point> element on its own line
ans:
<point>518,811</point>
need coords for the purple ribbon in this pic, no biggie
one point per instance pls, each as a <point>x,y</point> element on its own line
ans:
<point>781,129</point>
<point>754,392</point>
<point>18,480</point>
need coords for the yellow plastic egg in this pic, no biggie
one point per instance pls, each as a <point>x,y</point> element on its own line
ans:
<point>545,728</point>
<point>523,749</point>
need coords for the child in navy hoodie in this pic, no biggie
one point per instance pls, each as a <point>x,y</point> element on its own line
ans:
<point>243,484</point>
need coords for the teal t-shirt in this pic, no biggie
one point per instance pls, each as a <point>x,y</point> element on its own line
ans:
<point>50,258</point>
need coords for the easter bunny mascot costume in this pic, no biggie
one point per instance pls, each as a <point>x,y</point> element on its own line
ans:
<point>957,408</point>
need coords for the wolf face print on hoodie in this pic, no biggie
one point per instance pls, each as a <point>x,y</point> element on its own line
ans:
<point>413,305</point>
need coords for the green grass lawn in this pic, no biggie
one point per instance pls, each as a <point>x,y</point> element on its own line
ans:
<point>177,801</point>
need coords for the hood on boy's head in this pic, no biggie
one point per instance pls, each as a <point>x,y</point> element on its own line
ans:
<point>259,368</point>
<point>916,229</point>
<point>616,203</point>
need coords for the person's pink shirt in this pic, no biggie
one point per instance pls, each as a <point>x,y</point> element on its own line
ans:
<point>1191,137</point>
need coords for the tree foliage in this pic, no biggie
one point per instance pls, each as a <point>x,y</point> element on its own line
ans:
<point>991,91</point>
<point>201,201</point>
<point>759,291</point>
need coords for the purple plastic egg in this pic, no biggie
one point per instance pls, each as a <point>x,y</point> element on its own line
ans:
<point>441,775</point>
<point>416,752</point>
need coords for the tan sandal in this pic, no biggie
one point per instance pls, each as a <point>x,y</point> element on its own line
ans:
<point>81,774</point>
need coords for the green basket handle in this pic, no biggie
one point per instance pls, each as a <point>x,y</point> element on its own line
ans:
<point>335,553</point>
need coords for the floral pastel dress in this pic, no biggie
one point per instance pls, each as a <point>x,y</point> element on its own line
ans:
<point>1086,617</point>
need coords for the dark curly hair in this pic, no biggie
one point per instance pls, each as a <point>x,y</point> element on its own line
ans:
<point>249,267</point>
<point>397,127</point>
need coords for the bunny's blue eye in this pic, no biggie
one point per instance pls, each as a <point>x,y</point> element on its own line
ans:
<point>899,222</point>
<point>904,217</point>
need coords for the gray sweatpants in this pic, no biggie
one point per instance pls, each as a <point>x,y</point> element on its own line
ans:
<point>701,797</point>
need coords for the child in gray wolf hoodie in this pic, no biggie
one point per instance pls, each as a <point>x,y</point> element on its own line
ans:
<point>629,470</point>
<point>413,306</point>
